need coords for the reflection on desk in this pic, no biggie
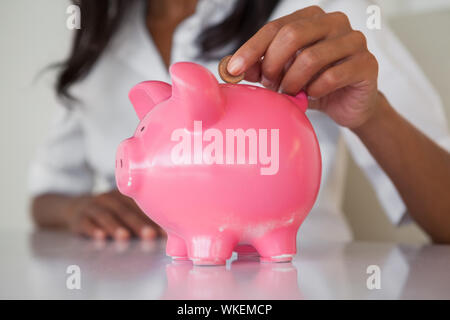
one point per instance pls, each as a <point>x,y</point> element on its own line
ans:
<point>34,266</point>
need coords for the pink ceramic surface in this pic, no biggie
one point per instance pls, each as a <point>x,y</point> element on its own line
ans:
<point>210,208</point>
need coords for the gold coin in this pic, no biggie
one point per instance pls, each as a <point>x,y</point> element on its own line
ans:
<point>225,75</point>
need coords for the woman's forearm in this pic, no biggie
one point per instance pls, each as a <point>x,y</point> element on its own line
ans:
<point>418,167</point>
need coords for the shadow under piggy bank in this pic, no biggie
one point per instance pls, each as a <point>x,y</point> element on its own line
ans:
<point>245,278</point>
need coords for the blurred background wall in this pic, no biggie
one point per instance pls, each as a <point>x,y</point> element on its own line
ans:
<point>34,34</point>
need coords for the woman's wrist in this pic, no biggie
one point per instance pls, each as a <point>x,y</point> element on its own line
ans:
<point>382,113</point>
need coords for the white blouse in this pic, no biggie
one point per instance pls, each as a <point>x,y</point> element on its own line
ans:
<point>80,149</point>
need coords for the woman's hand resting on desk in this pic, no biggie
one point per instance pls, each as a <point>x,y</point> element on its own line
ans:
<point>320,53</point>
<point>112,215</point>
<point>109,214</point>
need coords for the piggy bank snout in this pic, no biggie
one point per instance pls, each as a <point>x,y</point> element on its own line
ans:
<point>124,177</point>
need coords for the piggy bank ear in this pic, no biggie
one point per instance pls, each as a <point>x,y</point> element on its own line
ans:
<point>198,91</point>
<point>145,95</point>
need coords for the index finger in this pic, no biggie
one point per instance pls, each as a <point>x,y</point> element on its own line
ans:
<point>119,198</point>
<point>252,50</point>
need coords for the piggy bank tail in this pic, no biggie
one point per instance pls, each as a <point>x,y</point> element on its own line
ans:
<point>300,100</point>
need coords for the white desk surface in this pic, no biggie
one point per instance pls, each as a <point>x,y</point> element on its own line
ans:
<point>33,265</point>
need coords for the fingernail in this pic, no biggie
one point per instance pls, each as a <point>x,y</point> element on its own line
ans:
<point>148,233</point>
<point>121,234</point>
<point>235,66</point>
<point>99,234</point>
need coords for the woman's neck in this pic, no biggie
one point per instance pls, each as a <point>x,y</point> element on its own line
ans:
<point>163,17</point>
<point>170,11</point>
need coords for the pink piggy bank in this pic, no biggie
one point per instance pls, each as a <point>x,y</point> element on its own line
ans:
<point>220,167</point>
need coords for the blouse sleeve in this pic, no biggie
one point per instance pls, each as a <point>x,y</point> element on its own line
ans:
<point>60,164</point>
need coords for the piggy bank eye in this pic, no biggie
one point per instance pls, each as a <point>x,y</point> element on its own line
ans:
<point>139,131</point>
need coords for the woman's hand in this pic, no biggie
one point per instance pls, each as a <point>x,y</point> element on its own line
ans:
<point>320,53</point>
<point>109,214</point>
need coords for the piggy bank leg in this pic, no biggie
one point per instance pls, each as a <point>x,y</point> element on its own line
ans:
<point>277,245</point>
<point>176,247</point>
<point>211,249</point>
